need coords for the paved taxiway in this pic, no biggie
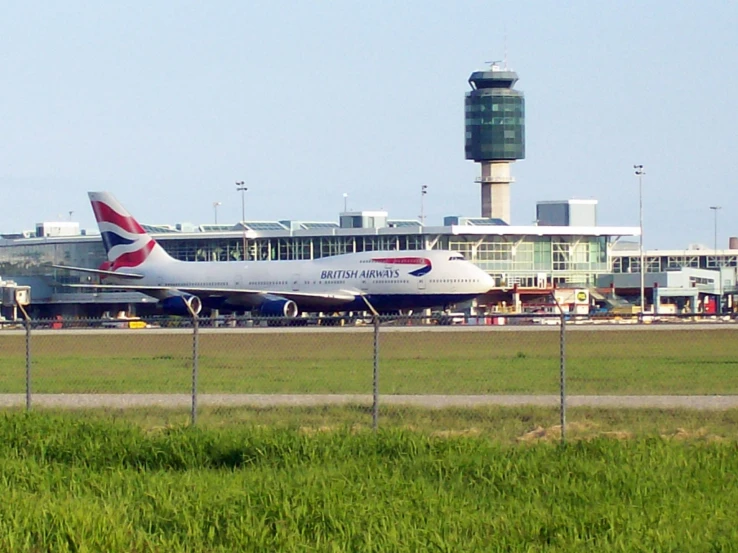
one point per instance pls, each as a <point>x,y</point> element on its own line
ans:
<point>124,401</point>
<point>571,327</point>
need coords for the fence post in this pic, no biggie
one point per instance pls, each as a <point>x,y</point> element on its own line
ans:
<point>28,364</point>
<point>562,376</point>
<point>375,394</point>
<point>562,368</point>
<point>27,320</point>
<point>195,364</point>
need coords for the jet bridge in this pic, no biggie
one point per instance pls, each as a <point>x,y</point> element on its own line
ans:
<point>12,297</point>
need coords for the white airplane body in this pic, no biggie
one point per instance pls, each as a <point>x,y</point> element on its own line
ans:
<point>375,280</point>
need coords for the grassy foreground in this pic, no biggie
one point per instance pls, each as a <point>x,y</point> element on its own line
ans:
<point>92,485</point>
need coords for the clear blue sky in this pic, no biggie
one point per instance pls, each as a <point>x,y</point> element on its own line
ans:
<point>166,104</point>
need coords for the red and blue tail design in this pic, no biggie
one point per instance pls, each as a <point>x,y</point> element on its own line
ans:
<point>126,242</point>
<point>422,271</point>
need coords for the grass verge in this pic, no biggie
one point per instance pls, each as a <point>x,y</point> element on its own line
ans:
<point>633,361</point>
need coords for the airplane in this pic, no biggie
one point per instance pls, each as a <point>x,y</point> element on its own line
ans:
<point>378,281</point>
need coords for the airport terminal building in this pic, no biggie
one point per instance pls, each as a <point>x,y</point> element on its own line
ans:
<point>534,257</point>
<point>530,260</point>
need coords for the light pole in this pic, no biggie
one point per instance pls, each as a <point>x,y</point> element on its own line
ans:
<point>715,209</point>
<point>640,172</point>
<point>215,211</point>
<point>423,192</point>
<point>242,189</point>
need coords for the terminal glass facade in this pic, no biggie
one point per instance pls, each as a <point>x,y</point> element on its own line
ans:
<point>630,262</point>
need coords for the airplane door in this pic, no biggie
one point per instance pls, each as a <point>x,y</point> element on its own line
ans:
<point>296,282</point>
<point>364,285</point>
<point>421,283</point>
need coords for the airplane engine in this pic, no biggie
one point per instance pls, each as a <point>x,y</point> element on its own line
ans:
<point>278,307</point>
<point>177,305</point>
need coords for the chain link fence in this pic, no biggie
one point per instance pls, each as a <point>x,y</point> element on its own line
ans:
<point>368,372</point>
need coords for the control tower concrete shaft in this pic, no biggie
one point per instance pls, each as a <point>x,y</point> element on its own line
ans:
<point>495,135</point>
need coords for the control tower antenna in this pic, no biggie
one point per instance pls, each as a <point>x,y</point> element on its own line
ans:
<point>495,134</point>
<point>505,54</point>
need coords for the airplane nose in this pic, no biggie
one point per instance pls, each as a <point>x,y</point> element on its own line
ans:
<point>487,281</point>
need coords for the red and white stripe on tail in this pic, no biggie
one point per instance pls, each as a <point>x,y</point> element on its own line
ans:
<point>126,242</point>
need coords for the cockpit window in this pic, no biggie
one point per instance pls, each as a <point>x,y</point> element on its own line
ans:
<point>456,258</point>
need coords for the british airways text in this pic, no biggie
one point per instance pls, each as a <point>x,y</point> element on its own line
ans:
<point>365,274</point>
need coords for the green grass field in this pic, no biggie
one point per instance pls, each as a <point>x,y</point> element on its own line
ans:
<point>73,484</point>
<point>637,361</point>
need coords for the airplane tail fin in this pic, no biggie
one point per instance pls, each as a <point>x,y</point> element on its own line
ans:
<point>126,242</point>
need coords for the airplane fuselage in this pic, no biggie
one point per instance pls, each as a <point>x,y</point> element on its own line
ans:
<point>387,280</point>
<point>374,280</point>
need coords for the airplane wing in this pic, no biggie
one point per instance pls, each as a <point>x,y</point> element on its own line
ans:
<point>100,272</point>
<point>247,296</point>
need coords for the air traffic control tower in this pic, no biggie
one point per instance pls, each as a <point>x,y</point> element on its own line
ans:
<point>495,134</point>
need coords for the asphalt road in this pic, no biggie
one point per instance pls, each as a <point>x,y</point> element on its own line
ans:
<point>550,327</point>
<point>122,401</point>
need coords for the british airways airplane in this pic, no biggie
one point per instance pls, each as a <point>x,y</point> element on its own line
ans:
<point>376,280</point>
